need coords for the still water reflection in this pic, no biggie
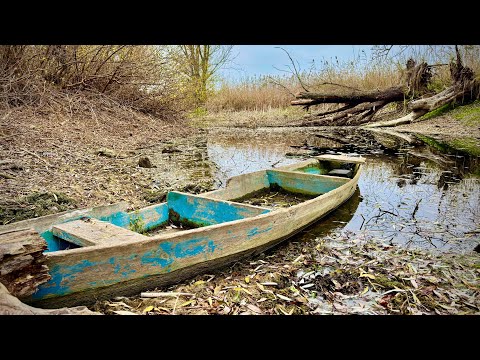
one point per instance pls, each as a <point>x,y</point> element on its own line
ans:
<point>410,197</point>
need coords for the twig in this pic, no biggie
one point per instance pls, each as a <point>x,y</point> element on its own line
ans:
<point>164,294</point>
<point>294,67</point>
<point>279,84</point>
<point>335,84</point>
<point>363,221</point>
<point>416,208</point>
<point>388,212</point>
<point>37,156</point>
<point>6,176</point>
<point>175,305</point>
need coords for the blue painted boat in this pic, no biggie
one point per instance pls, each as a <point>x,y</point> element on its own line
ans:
<point>102,252</point>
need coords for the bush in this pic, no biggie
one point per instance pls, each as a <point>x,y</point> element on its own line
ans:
<point>139,77</point>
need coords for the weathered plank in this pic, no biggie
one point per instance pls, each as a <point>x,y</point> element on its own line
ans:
<point>205,211</point>
<point>341,158</point>
<point>241,185</point>
<point>90,232</point>
<point>112,213</point>
<point>305,183</point>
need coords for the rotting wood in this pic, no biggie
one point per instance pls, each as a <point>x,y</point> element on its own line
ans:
<point>360,107</point>
<point>10,305</point>
<point>22,267</point>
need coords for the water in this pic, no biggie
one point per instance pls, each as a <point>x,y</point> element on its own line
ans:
<point>411,196</point>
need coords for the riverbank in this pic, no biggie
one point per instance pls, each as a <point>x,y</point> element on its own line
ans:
<point>53,162</point>
<point>335,273</point>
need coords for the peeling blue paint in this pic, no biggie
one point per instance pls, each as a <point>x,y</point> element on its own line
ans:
<point>304,183</point>
<point>255,231</point>
<point>61,277</point>
<point>209,211</point>
<point>155,258</point>
<point>127,271</point>
<point>117,269</point>
<point>193,247</point>
<point>120,218</point>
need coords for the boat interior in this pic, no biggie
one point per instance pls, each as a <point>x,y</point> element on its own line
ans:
<point>182,211</point>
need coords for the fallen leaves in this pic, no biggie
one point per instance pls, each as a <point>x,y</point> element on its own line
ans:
<point>359,277</point>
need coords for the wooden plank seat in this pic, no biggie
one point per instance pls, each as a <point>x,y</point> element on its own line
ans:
<point>89,232</point>
<point>341,172</point>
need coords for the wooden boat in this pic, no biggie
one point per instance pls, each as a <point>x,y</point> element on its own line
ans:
<point>94,254</point>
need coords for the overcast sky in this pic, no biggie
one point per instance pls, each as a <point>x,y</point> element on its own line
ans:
<point>263,59</point>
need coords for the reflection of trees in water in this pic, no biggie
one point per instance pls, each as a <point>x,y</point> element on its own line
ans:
<point>335,220</point>
<point>420,214</point>
<point>415,196</point>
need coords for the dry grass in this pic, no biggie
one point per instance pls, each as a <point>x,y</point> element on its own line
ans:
<point>252,94</point>
<point>272,95</point>
<point>140,77</point>
<point>248,118</point>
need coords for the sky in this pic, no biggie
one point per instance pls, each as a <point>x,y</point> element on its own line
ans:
<point>253,60</point>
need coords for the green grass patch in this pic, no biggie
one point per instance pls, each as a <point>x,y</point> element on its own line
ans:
<point>468,145</point>
<point>437,112</point>
<point>136,223</point>
<point>468,114</point>
<point>465,145</point>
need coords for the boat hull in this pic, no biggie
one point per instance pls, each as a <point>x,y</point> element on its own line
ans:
<point>87,274</point>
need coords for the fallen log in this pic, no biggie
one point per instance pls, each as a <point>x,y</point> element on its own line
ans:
<point>395,93</point>
<point>464,88</point>
<point>359,107</point>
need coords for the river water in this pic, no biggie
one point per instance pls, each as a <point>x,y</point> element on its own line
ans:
<point>408,195</point>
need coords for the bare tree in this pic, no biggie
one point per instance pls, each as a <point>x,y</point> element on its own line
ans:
<point>200,63</point>
<point>360,106</point>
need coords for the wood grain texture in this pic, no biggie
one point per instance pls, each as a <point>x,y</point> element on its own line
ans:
<point>92,232</point>
<point>22,261</point>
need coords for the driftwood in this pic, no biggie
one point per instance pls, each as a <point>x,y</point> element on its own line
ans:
<point>22,260</point>
<point>10,305</point>
<point>360,107</point>
<point>352,97</point>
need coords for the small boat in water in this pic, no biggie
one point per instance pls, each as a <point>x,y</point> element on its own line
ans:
<point>107,251</point>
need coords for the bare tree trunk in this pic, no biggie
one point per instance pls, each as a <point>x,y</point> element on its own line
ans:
<point>360,107</point>
<point>355,97</point>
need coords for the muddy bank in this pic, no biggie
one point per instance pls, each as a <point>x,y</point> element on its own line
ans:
<point>55,163</point>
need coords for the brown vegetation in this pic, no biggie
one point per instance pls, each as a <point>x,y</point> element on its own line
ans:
<point>136,77</point>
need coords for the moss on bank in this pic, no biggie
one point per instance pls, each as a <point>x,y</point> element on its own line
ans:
<point>34,205</point>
